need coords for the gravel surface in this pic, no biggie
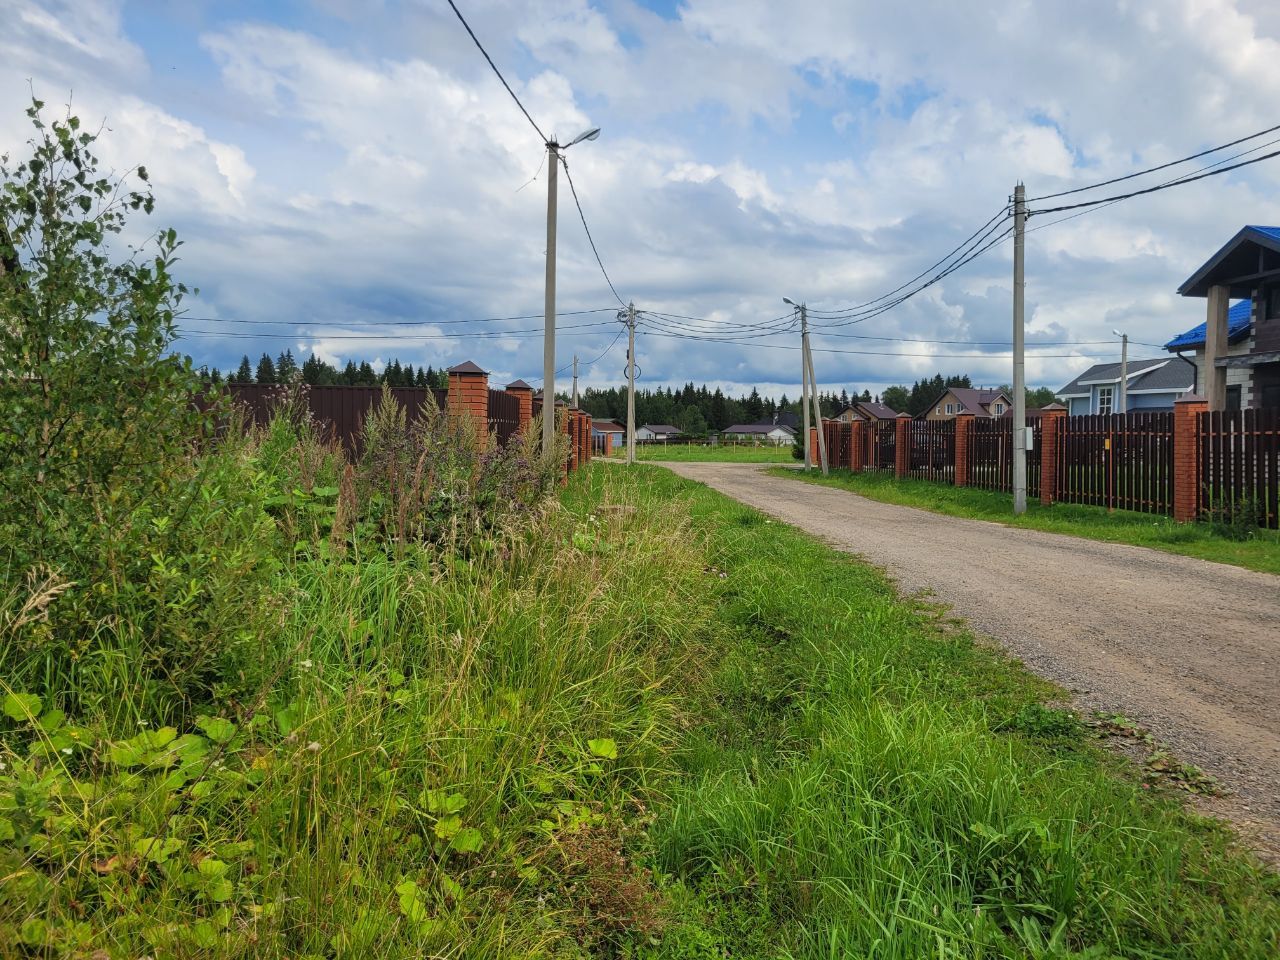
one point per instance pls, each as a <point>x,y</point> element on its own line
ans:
<point>1190,649</point>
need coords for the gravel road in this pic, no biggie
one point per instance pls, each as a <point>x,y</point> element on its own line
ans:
<point>1188,648</point>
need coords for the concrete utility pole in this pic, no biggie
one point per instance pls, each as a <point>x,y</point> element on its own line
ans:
<point>549,310</point>
<point>631,383</point>
<point>804,378</point>
<point>1019,359</point>
<point>1123,398</point>
<point>575,379</point>
<point>817,407</point>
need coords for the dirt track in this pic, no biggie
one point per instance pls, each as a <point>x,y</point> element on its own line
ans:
<point>1190,649</point>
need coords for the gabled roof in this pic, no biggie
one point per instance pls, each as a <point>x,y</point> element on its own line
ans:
<point>607,426</point>
<point>972,399</point>
<point>761,429</point>
<point>1237,259</point>
<point>1239,320</point>
<point>659,428</point>
<point>1160,376</point>
<point>466,367</point>
<point>877,410</point>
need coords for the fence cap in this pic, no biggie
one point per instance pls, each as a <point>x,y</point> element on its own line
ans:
<point>519,385</point>
<point>467,367</point>
<point>1191,398</point>
<point>907,415</point>
<point>1054,406</point>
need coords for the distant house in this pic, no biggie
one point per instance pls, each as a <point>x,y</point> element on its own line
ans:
<point>1238,347</point>
<point>776,434</point>
<point>866,410</point>
<point>1152,385</point>
<point>981,402</point>
<point>657,431</point>
<point>600,427</point>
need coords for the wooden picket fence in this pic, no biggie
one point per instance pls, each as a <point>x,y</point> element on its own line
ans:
<point>1120,461</point>
<point>990,456</point>
<point>1239,457</point>
<point>933,450</point>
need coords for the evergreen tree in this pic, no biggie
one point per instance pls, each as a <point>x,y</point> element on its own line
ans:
<point>366,376</point>
<point>245,372</point>
<point>866,397</point>
<point>407,374</point>
<point>754,407</point>
<point>286,367</point>
<point>423,379</point>
<point>266,370</point>
<point>350,375</point>
<point>844,398</point>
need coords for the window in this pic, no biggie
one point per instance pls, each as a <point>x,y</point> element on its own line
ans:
<point>1233,396</point>
<point>1104,400</point>
<point>999,409</point>
<point>951,408</point>
<point>1271,303</point>
<point>938,409</point>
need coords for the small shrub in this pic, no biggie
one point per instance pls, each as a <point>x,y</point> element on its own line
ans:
<point>1236,518</point>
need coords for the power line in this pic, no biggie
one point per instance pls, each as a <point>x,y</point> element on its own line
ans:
<point>583,217</point>
<point>880,353</point>
<point>1163,166</point>
<point>391,323</point>
<point>1003,212</point>
<point>479,46</point>
<point>396,337</point>
<point>612,344</point>
<point>1163,186</point>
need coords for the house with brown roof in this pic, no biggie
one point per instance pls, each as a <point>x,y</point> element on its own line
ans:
<point>866,410</point>
<point>981,402</point>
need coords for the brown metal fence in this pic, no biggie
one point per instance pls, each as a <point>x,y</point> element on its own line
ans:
<point>1119,461</point>
<point>933,450</point>
<point>504,415</point>
<point>884,446</point>
<point>990,455</point>
<point>839,436</point>
<point>339,409</point>
<point>1240,461</point>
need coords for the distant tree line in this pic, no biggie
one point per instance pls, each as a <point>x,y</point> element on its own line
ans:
<point>318,373</point>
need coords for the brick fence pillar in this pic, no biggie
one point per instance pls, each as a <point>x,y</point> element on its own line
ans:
<point>964,437</point>
<point>524,394</point>
<point>588,441</point>
<point>813,445</point>
<point>608,444</point>
<point>902,445</point>
<point>855,445</point>
<point>469,394</point>
<point>1051,426</point>
<point>1186,456</point>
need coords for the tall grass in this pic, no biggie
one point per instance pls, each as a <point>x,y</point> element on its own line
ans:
<point>866,783</point>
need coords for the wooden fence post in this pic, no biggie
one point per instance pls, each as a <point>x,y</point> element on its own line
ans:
<point>1186,456</point>
<point>469,394</point>
<point>813,446</point>
<point>855,445</point>
<point>1051,424</point>
<point>964,436</point>
<point>523,393</point>
<point>902,446</point>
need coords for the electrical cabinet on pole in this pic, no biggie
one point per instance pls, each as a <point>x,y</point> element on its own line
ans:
<point>1019,359</point>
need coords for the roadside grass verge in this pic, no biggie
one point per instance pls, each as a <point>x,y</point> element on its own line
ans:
<point>722,453</point>
<point>1261,553</point>
<point>863,782</point>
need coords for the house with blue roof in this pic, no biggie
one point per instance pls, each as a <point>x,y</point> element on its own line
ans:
<point>1236,351</point>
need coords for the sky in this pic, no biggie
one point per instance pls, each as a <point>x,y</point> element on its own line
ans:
<point>351,180</point>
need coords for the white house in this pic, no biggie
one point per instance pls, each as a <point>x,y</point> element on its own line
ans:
<point>656,431</point>
<point>774,433</point>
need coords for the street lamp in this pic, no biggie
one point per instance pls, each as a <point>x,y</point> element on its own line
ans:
<point>1124,371</point>
<point>549,331</point>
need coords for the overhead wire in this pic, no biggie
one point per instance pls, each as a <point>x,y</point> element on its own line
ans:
<point>1163,166</point>
<point>391,323</point>
<point>482,335</point>
<point>591,240</point>
<point>494,66</point>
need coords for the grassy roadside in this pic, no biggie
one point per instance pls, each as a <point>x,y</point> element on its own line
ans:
<point>856,781</point>
<point>724,453</point>
<point>1262,553</point>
